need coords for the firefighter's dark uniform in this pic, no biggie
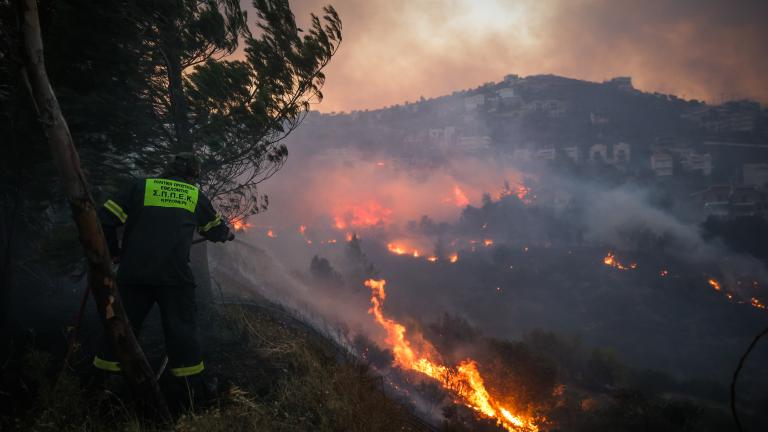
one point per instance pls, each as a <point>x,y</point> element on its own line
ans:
<point>160,216</point>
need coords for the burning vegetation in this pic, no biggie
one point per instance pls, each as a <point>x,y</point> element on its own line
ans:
<point>611,261</point>
<point>463,380</point>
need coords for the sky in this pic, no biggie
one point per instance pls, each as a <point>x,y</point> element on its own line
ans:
<point>400,50</point>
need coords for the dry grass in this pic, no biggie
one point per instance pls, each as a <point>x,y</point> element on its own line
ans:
<point>276,375</point>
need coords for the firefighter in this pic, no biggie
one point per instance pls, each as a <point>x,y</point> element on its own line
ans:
<point>160,216</point>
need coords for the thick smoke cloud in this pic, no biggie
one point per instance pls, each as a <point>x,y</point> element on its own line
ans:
<point>393,49</point>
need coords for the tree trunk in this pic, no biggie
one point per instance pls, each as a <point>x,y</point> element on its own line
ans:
<point>178,101</point>
<point>101,279</point>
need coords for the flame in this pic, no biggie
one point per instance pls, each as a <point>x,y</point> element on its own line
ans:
<point>757,303</point>
<point>362,216</point>
<point>487,242</point>
<point>459,198</point>
<point>454,257</point>
<point>611,261</point>
<point>400,249</point>
<point>302,229</point>
<point>714,284</point>
<point>519,190</point>
<point>432,259</point>
<point>240,224</point>
<point>463,380</point>
<point>271,234</point>
<point>396,249</point>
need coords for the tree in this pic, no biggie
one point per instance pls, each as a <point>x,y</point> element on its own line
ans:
<point>233,114</point>
<point>139,80</point>
<point>101,280</point>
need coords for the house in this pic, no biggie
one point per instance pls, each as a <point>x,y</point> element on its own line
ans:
<point>597,118</point>
<point>621,153</point>
<point>508,97</point>
<point>506,93</point>
<point>598,153</point>
<point>662,164</point>
<point>622,83</point>
<point>730,200</point>
<point>547,154</point>
<point>471,103</point>
<point>695,162</point>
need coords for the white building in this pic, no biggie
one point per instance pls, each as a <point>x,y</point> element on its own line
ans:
<point>551,107</point>
<point>506,93</point>
<point>698,162</point>
<point>547,154</point>
<point>621,153</point>
<point>662,164</point>
<point>471,103</point>
<point>598,152</point>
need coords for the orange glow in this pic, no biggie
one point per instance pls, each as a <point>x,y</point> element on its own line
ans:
<point>349,237</point>
<point>757,303</point>
<point>459,198</point>
<point>400,249</point>
<point>363,216</point>
<point>464,380</point>
<point>271,234</point>
<point>454,257</point>
<point>432,259</point>
<point>487,242</point>
<point>302,229</point>
<point>240,224</point>
<point>714,284</point>
<point>522,192</point>
<point>611,261</point>
<point>396,249</point>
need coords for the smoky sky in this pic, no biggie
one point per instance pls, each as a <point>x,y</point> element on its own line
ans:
<point>400,50</point>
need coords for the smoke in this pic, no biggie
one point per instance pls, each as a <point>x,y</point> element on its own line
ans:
<point>529,253</point>
<point>700,49</point>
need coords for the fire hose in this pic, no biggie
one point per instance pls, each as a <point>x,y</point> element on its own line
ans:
<point>736,376</point>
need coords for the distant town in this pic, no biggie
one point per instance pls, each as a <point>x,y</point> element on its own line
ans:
<point>714,155</point>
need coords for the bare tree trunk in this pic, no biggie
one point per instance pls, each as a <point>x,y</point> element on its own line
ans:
<point>178,102</point>
<point>101,279</point>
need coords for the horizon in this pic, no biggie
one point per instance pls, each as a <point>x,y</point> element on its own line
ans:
<point>468,89</point>
<point>396,52</point>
